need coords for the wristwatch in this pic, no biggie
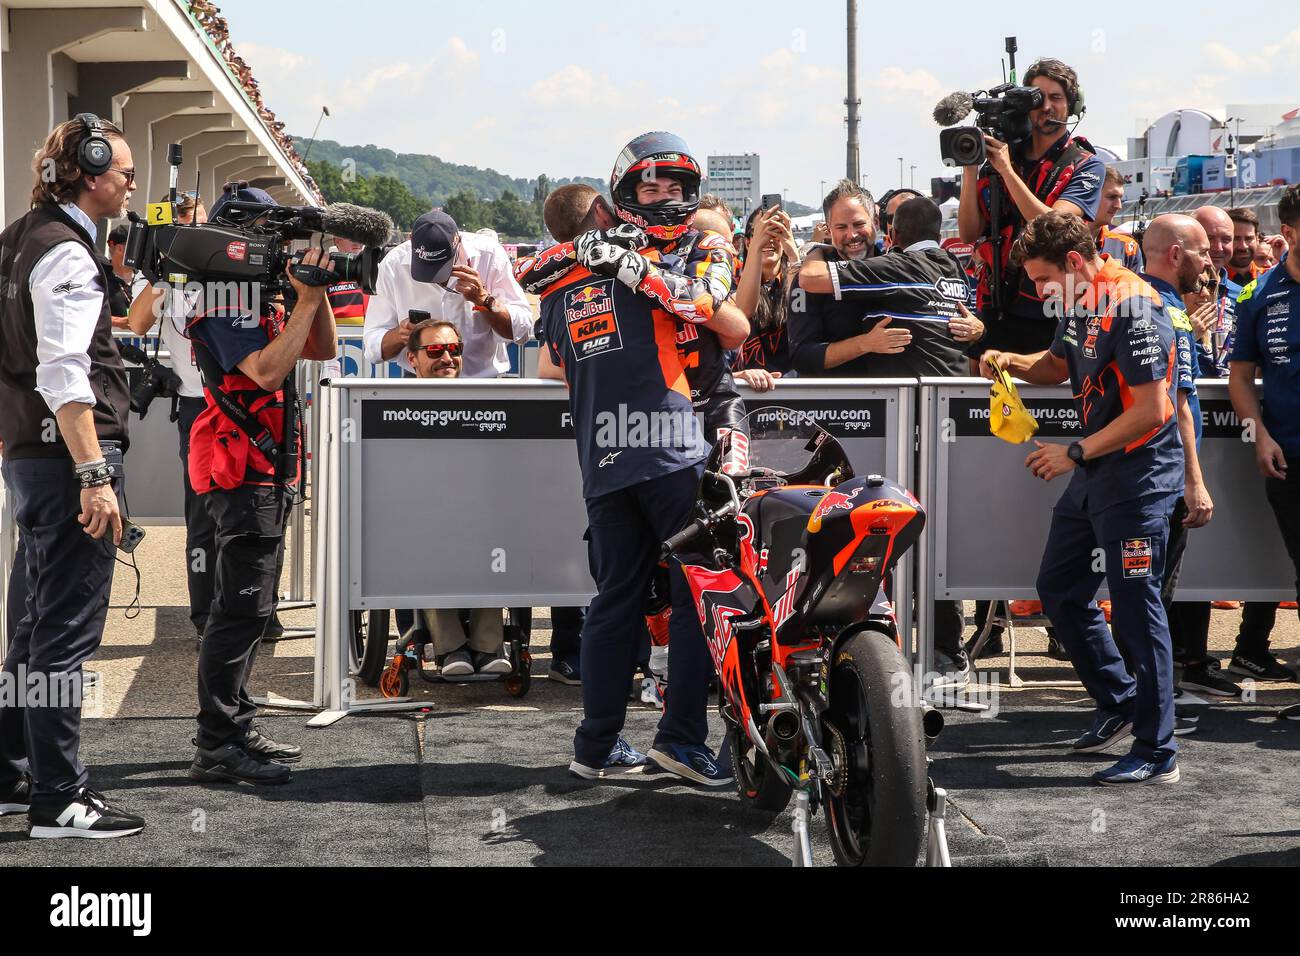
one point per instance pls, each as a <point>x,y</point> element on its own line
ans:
<point>1075,451</point>
<point>490,303</point>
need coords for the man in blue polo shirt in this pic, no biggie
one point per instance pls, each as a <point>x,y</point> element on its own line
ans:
<point>1177,251</point>
<point>1115,344</point>
<point>1267,344</point>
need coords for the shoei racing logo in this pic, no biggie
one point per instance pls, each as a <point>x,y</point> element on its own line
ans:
<point>593,325</point>
<point>953,289</point>
<point>1135,554</point>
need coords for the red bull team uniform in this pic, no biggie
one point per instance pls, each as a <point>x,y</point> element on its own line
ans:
<point>1119,337</point>
<point>641,451</point>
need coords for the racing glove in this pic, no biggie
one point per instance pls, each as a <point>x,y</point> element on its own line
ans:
<point>686,299</point>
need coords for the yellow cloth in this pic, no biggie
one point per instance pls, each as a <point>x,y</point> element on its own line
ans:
<point>1008,417</point>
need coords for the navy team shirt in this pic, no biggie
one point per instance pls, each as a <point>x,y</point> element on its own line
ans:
<point>628,392</point>
<point>1268,334</point>
<point>1124,339</point>
<point>1184,343</point>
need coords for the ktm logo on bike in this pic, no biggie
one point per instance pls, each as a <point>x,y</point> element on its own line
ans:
<point>832,500</point>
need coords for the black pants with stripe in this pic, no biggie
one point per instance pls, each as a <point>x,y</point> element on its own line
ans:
<point>61,604</point>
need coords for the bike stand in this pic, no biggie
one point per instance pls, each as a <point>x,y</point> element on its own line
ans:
<point>936,843</point>
<point>801,825</point>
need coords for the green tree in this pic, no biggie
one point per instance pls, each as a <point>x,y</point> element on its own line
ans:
<point>467,210</point>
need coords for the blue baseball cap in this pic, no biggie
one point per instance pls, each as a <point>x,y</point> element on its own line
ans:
<point>434,238</point>
<point>243,194</point>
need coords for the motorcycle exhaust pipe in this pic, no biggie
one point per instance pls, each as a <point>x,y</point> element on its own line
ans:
<point>931,722</point>
<point>784,732</point>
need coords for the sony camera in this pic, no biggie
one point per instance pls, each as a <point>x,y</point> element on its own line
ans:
<point>155,379</point>
<point>1002,112</point>
<point>249,242</point>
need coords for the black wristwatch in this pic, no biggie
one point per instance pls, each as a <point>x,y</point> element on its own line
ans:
<point>1075,451</point>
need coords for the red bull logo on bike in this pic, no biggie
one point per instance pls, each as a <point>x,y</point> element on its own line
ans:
<point>829,503</point>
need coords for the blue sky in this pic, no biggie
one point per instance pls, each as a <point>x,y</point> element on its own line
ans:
<point>527,88</point>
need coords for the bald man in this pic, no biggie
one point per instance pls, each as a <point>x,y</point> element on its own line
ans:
<point>1214,345</point>
<point>1177,252</point>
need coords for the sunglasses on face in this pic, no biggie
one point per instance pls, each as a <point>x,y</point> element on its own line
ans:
<point>435,351</point>
<point>128,174</point>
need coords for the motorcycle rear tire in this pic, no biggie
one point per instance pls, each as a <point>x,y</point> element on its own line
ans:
<point>880,818</point>
<point>760,786</point>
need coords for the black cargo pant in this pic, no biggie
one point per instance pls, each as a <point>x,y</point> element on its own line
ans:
<point>200,530</point>
<point>250,554</point>
<point>61,608</point>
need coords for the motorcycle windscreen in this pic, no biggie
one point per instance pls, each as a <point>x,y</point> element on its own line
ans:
<point>781,442</point>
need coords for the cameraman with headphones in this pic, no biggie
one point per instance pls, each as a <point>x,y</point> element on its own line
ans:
<point>63,421</point>
<point>246,461</point>
<point>1052,170</point>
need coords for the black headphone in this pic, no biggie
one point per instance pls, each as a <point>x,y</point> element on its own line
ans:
<point>884,201</point>
<point>94,152</point>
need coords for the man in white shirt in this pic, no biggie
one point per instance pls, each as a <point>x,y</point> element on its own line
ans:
<point>63,421</point>
<point>457,277</point>
<point>171,316</point>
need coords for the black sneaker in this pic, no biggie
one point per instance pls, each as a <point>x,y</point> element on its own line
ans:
<point>231,763</point>
<point>1265,667</point>
<point>953,666</point>
<point>1203,679</point>
<point>263,748</point>
<point>18,798</point>
<point>88,817</point>
<point>1186,721</point>
<point>1055,650</point>
<point>274,629</point>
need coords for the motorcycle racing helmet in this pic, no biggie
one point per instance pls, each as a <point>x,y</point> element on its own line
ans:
<point>648,157</point>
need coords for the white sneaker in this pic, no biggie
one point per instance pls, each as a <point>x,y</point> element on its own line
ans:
<point>492,663</point>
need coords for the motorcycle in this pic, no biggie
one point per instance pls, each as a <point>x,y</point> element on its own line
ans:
<point>787,561</point>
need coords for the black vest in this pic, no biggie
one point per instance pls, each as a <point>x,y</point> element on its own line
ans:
<point>25,419</point>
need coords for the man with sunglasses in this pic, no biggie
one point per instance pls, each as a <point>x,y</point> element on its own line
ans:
<point>63,424</point>
<point>435,350</point>
<point>462,278</point>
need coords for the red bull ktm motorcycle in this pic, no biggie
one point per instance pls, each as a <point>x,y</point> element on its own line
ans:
<point>787,561</point>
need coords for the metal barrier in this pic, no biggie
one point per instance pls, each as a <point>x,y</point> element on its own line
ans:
<point>468,494</point>
<point>988,518</point>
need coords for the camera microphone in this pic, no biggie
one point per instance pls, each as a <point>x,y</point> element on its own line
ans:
<point>953,108</point>
<point>367,226</point>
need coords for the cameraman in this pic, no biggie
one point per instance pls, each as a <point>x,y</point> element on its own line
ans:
<point>1052,170</point>
<point>171,310</point>
<point>247,364</point>
<point>63,424</point>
